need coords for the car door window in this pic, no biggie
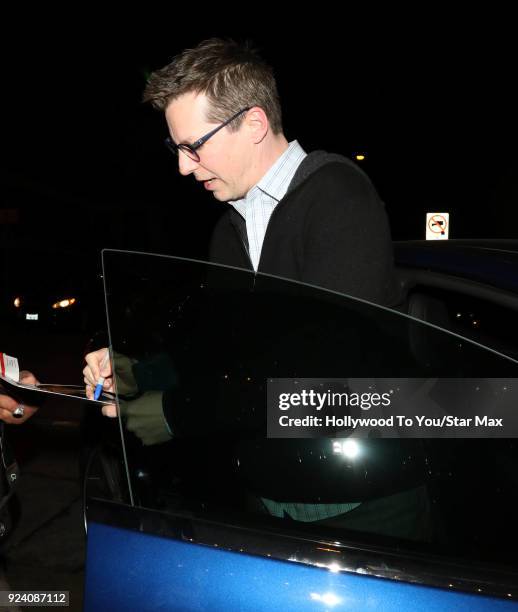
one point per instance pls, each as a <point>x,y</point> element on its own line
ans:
<point>487,323</point>
<point>193,346</point>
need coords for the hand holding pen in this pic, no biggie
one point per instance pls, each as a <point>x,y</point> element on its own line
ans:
<point>98,373</point>
<point>100,381</point>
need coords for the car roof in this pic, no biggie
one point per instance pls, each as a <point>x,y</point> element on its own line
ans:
<point>492,262</point>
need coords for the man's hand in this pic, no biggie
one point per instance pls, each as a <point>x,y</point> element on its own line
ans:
<point>93,372</point>
<point>126,384</point>
<point>8,405</point>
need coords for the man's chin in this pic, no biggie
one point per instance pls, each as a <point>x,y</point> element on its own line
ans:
<point>220,196</point>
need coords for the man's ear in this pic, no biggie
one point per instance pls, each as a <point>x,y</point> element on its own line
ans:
<point>257,124</point>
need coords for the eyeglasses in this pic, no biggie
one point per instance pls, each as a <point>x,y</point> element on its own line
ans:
<point>190,149</point>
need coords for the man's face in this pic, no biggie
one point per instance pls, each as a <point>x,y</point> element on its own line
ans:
<point>225,159</point>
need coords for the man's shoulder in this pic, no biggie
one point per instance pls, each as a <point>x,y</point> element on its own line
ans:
<point>323,166</point>
<point>336,189</point>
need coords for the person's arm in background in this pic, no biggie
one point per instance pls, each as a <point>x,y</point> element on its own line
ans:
<point>8,404</point>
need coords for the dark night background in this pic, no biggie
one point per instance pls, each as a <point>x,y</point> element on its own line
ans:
<point>431,105</point>
<point>428,98</point>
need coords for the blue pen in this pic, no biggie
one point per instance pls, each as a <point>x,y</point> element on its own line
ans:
<point>100,381</point>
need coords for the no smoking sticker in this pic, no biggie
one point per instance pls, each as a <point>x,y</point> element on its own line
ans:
<point>437,226</point>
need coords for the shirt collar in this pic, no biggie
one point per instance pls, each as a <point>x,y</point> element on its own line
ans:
<point>278,178</point>
<point>276,181</point>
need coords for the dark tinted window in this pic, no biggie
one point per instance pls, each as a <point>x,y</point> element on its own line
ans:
<point>201,341</point>
<point>485,322</point>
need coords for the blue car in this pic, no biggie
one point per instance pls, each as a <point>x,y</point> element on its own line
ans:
<point>190,505</point>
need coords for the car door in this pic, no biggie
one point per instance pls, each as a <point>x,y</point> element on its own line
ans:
<point>192,506</point>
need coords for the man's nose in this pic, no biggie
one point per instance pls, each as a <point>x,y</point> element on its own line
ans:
<point>186,165</point>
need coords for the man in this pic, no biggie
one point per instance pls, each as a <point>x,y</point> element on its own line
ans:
<point>315,217</point>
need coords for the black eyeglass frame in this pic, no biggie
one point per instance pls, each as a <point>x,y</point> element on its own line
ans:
<point>190,149</point>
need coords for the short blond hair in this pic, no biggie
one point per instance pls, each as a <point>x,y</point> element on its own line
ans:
<point>232,76</point>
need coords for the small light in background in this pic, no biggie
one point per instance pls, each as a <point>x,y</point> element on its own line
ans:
<point>64,303</point>
<point>359,157</point>
<point>17,302</point>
